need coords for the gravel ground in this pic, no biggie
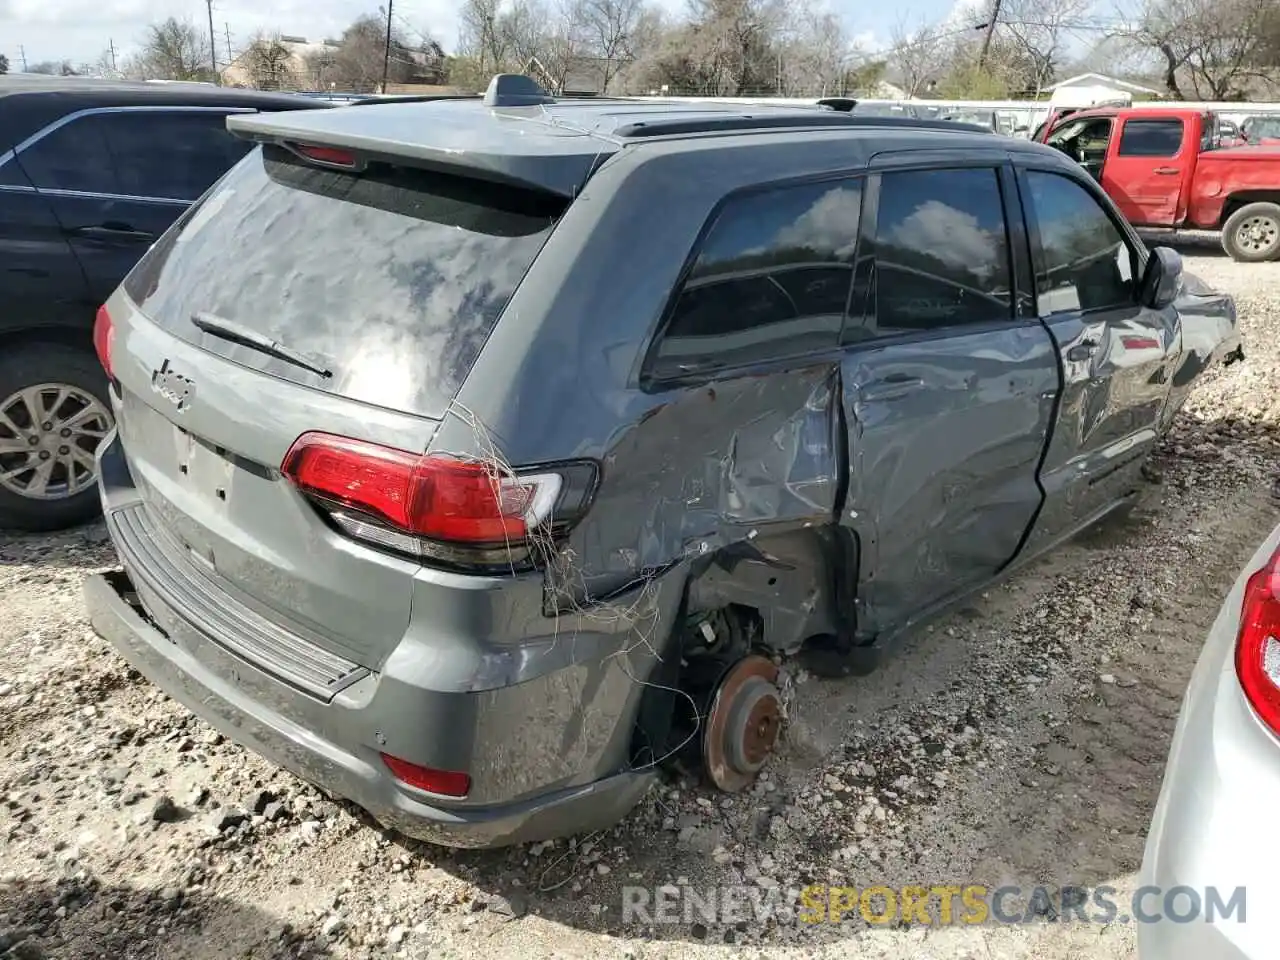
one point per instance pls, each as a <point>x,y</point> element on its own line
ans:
<point>1020,740</point>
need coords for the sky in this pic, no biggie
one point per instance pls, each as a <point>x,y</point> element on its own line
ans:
<point>81,30</point>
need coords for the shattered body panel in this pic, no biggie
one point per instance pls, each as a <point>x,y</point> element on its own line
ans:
<point>1116,371</point>
<point>756,458</point>
<point>847,495</point>
<point>1209,336</point>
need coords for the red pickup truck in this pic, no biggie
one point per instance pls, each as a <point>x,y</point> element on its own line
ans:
<point>1167,168</point>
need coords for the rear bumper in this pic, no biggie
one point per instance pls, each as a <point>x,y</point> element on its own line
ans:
<point>543,726</point>
<point>211,693</point>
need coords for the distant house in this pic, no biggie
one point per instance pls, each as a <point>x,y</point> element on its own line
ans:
<point>1102,81</point>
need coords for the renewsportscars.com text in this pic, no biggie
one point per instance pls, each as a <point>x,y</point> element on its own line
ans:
<point>933,905</point>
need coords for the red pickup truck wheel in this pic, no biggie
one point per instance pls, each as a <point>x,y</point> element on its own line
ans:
<point>1252,233</point>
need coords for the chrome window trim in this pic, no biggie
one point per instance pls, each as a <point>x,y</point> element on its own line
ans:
<point>62,121</point>
<point>90,195</point>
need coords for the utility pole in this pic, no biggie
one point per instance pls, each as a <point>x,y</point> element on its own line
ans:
<point>386,52</point>
<point>991,29</point>
<point>22,54</point>
<point>213,40</point>
<point>227,26</point>
<point>111,46</point>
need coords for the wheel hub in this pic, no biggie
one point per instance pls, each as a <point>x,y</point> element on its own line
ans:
<point>743,723</point>
<point>1259,233</point>
<point>49,433</point>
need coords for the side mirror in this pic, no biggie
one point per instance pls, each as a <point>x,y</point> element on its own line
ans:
<point>1163,278</point>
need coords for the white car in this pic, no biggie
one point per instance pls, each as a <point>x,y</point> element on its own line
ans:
<point>1213,838</point>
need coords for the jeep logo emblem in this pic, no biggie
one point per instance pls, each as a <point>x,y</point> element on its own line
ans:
<point>174,387</point>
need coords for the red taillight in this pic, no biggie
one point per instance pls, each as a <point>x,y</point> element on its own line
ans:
<point>1258,644</point>
<point>447,783</point>
<point>104,335</point>
<point>434,497</point>
<point>330,155</point>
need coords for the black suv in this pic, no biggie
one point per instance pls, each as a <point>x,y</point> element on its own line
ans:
<point>91,174</point>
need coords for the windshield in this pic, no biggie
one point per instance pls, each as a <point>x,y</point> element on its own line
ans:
<point>392,279</point>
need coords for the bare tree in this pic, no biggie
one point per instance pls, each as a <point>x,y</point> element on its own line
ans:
<point>918,54</point>
<point>480,36</point>
<point>1214,48</point>
<point>172,50</point>
<point>559,45</point>
<point>733,41</point>
<point>1040,33</point>
<point>814,52</point>
<point>356,62</point>
<point>268,63</point>
<point>611,32</point>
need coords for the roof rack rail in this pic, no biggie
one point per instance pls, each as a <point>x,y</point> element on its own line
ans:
<point>671,126</point>
<point>515,90</point>
<point>823,117</point>
<point>412,98</point>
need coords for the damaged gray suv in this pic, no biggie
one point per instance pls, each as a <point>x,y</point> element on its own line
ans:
<point>475,458</point>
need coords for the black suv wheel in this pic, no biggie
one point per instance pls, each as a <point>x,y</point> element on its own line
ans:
<point>54,411</point>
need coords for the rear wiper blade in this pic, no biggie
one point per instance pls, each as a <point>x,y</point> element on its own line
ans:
<point>230,330</point>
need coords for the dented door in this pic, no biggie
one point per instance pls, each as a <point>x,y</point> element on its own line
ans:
<point>1117,355</point>
<point>944,439</point>
<point>948,392</point>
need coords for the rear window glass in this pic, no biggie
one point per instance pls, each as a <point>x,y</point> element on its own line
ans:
<point>392,279</point>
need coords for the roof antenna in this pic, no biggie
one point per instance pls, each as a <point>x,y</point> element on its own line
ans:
<point>515,90</point>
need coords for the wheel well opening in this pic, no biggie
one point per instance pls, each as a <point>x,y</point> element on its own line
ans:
<point>678,692</point>
<point>1243,199</point>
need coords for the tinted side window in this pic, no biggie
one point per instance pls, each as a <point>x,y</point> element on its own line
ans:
<point>1151,138</point>
<point>174,155</point>
<point>72,157</point>
<point>771,279</point>
<point>941,251</point>
<point>1085,262</point>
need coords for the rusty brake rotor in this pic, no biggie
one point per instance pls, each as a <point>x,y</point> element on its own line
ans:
<point>743,723</point>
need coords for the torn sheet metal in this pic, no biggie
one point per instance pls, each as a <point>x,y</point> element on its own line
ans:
<point>738,462</point>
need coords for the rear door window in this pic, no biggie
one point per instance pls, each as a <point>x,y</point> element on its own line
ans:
<point>771,279</point>
<point>1152,138</point>
<point>73,157</point>
<point>392,279</point>
<point>175,155</point>
<point>941,253</point>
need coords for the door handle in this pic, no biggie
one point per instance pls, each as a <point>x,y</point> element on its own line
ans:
<point>1167,171</point>
<point>111,231</point>
<point>1082,350</point>
<point>892,387</point>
